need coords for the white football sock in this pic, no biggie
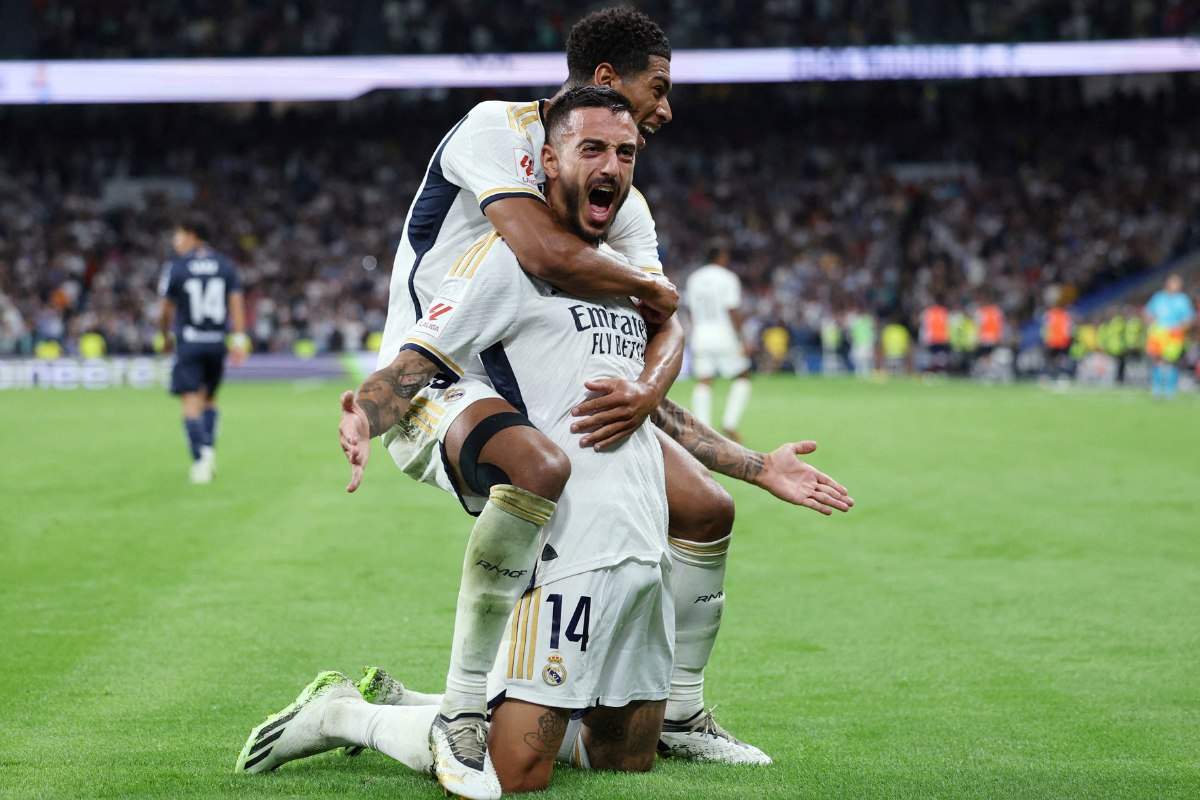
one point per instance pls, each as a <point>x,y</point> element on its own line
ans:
<point>698,579</point>
<point>735,404</point>
<point>500,556</point>
<point>412,698</point>
<point>566,751</point>
<point>702,402</point>
<point>399,732</point>
<point>573,751</point>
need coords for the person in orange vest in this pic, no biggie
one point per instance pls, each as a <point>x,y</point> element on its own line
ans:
<point>934,334</point>
<point>1057,334</point>
<point>990,320</point>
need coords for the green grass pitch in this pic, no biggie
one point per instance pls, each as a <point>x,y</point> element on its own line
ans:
<point>1011,610</point>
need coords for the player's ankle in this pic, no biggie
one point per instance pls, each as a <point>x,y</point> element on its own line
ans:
<point>456,703</point>
<point>683,710</point>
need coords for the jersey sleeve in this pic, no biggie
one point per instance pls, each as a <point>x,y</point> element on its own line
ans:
<point>476,306</point>
<point>166,286</point>
<point>733,297</point>
<point>633,234</point>
<point>491,155</point>
<point>232,282</point>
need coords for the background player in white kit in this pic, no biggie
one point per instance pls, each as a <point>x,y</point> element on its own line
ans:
<point>603,618</point>
<point>714,297</point>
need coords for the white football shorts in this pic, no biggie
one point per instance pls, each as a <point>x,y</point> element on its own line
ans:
<point>416,441</point>
<point>604,637</point>
<point>728,361</point>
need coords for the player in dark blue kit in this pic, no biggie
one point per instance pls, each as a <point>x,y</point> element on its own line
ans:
<point>200,293</point>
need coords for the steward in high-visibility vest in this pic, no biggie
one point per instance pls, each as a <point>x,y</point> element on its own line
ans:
<point>991,327</point>
<point>1087,340</point>
<point>964,336</point>
<point>1135,334</point>
<point>1112,336</point>
<point>1056,330</point>
<point>935,327</point>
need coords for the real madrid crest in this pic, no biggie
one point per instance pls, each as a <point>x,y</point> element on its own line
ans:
<point>452,395</point>
<point>555,672</point>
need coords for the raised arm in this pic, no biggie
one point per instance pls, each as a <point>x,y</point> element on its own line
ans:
<point>555,254</point>
<point>778,472</point>
<point>378,405</point>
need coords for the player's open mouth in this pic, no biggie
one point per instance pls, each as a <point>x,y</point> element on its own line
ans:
<point>643,132</point>
<point>600,202</point>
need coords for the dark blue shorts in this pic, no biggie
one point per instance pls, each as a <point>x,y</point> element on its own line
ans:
<point>196,368</point>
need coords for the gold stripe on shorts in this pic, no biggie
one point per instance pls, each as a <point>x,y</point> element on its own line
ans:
<point>533,629</point>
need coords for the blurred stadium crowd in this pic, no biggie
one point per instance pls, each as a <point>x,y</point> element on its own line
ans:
<point>868,211</point>
<point>166,28</point>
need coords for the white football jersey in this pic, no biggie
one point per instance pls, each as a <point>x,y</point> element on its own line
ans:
<point>539,346</point>
<point>492,153</point>
<point>711,293</point>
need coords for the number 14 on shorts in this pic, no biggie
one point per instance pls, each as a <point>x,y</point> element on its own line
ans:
<point>577,628</point>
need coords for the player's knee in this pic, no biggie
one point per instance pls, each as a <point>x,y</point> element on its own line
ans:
<point>545,471</point>
<point>708,516</point>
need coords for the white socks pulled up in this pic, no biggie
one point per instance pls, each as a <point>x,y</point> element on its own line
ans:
<point>698,579</point>
<point>500,556</point>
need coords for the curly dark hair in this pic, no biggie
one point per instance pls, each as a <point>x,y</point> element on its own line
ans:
<point>583,97</point>
<point>618,36</point>
<point>196,224</point>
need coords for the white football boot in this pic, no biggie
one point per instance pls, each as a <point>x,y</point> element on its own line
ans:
<point>702,738</point>
<point>201,471</point>
<point>461,762</point>
<point>209,454</point>
<point>296,731</point>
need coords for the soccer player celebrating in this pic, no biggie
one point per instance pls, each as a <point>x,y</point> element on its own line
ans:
<point>594,629</point>
<point>200,295</point>
<point>714,297</point>
<point>1169,314</point>
<point>487,175</point>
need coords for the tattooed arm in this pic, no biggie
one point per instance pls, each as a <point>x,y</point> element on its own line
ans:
<point>779,472</point>
<point>379,404</point>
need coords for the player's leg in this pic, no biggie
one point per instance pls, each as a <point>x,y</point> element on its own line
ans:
<point>187,383</point>
<point>493,452</point>
<point>739,398</point>
<point>492,461</point>
<point>214,367</point>
<point>703,369</point>
<point>623,739</point>
<point>700,527</point>
<point>702,401</point>
<point>330,713</point>
<point>700,524</point>
<point>523,741</point>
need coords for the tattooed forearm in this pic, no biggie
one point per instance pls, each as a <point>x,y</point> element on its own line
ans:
<point>709,447</point>
<point>385,396</point>
<point>551,727</point>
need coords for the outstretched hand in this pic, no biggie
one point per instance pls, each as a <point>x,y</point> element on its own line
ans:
<point>355,434</point>
<point>796,482</point>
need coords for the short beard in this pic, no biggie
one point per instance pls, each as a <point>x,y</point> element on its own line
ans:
<point>574,201</point>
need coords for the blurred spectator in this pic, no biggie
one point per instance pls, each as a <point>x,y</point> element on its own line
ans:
<point>871,210</point>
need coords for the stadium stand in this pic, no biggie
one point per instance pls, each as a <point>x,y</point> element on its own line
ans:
<point>826,215</point>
